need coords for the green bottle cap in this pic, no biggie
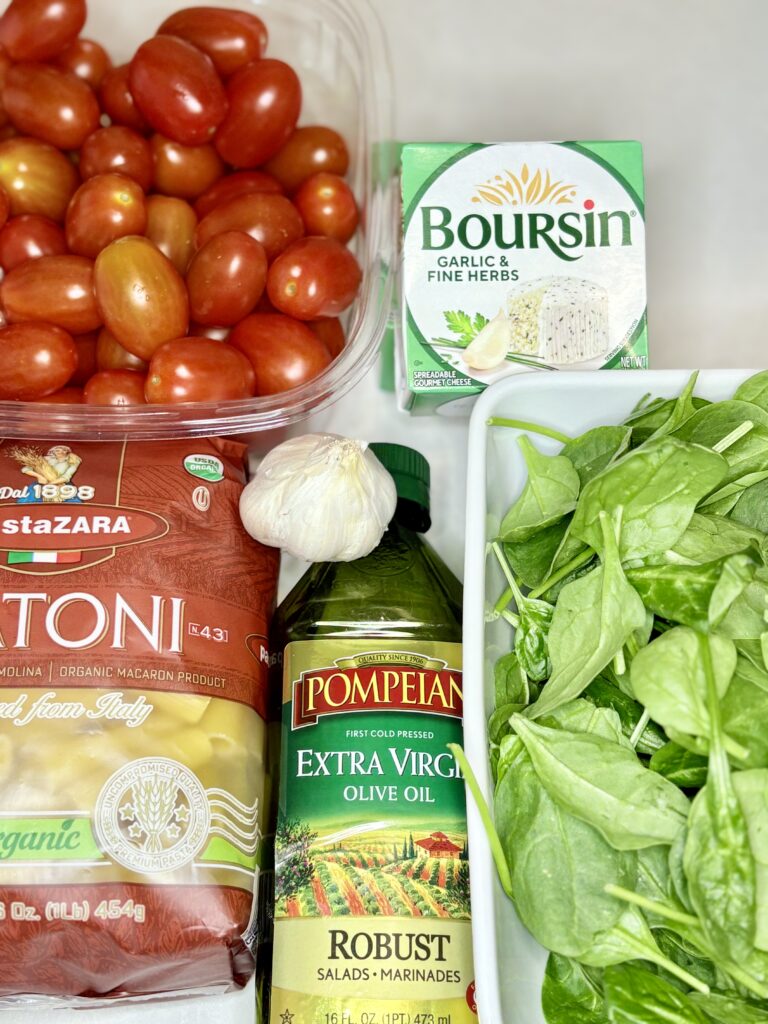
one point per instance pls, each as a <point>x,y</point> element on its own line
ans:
<point>409,469</point>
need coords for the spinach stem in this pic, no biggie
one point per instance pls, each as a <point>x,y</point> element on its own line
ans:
<point>511,618</point>
<point>567,569</point>
<point>735,435</point>
<point>503,601</point>
<point>497,850</point>
<point>639,729</point>
<point>659,909</point>
<point>619,663</point>
<point>744,978</point>
<point>648,953</point>
<point>534,428</point>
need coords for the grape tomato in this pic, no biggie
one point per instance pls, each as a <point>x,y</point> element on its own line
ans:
<point>330,332</point>
<point>327,206</point>
<point>120,150</point>
<point>50,104</point>
<point>29,237</point>
<point>230,38</point>
<point>37,177</point>
<point>264,105</point>
<point>171,225</point>
<point>240,183</point>
<point>65,396</point>
<point>226,278</point>
<point>184,171</point>
<point>40,29</point>
<point>284,352</point>
<point>177,90</point>
<point>309,150</point>
<point>271,219</point>
<point>115,387</point>
<point>87,59</point>
<point>110,354</point>
<point>53,289</point>
<point>140,295</point>
<point>36,359</point>
<point>314,277</point>
<point>198,370</point>
<point>86,358</point>
<point>105,207</point>
<point>117,100</point>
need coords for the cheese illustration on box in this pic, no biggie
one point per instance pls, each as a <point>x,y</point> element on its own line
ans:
<point>519,257</point>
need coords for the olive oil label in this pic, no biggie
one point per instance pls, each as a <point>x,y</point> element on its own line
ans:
<point>518,258</point>
<point>372,918</point>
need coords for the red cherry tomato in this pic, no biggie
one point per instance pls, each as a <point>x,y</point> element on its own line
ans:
<point>35,360</point>
<point>37,177</point>
<point>264,105</point>
<point>28,238</point>
<point>140,295</point>
<point>309,150</point>
<point>330,332</point>
<point>176,88</point>
<point>117,100</point>
<point>231,186</point>
<point>198,370</point>
<point>207,331</point>
<point>115,387</point>
<point>110,354</point>
<point>314,277</point>
<point>230,38</point>
<point>284,352</point>
<point>118,150</point>
<point>40,29</point>
<point>327,207</point>
<point>54,289</point>
<point>105,207</point>
<point>171,225</point>
<point>51,105</point>
<point>86,358</point>
<point>184,171</point>
<point>271,219</point>
<point>65,396</point>
<point>226,278</point>
<point>86,59</point>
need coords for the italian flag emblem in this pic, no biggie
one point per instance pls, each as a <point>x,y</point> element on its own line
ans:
<point>51,557</point>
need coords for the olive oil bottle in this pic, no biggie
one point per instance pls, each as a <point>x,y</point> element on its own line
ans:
<point>371,875</point>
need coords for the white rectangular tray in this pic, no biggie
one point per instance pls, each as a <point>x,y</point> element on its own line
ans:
<point>509,964</point>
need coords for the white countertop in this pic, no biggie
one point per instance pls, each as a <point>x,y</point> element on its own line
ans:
<point>688,79</point>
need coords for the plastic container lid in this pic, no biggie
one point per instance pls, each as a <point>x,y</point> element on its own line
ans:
<point>409,470</point>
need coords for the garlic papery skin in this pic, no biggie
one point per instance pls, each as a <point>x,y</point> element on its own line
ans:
<point>320,497</point>
<point>490,347</point>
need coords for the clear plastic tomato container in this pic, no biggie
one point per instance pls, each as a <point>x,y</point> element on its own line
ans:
<point>338,49</point>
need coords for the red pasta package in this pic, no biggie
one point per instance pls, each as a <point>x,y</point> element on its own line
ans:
<point>133,663</point>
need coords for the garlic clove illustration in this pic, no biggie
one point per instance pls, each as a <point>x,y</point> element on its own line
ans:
<point>489,349</point>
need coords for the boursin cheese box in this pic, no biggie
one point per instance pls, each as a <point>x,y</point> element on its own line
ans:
<point>519,257</point>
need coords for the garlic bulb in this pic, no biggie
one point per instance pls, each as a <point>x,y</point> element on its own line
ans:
<point>490,347</point>
<point>320,497</point>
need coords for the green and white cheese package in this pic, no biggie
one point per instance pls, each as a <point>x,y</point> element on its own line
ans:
<point>518,257</point>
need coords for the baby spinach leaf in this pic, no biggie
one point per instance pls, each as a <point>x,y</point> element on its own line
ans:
<point>718,859</point>
<point>647,419</point>
<point>531,646</point>
<point>531,559</point>
<point>752,791</point>
<point>752,507</point>
<point>677,870</point>
<point>499,722</point>
<point>682,409</point>
<point>605,785</point>
<point>604,694</point>
<point>657,487</point>
<point>558,865</point>
<point>716,423</point>
<point>593,618</point>
<point>736,573</point>
<point>675,948</point>
<point>592,452</point>
<point>582,716</point>
<point>509,681</point>
<point>684,768</point>
<point>551,491</point>
<point>653,879</point>
<point>747,616</point>
<point>634,995</point>
<point>709,538</point>
<point>744,710</point>
<point>730,1009</point>
<point>678,593</point>
<point>754,390</point>
<point>571,993</point>
<point>669,678</point>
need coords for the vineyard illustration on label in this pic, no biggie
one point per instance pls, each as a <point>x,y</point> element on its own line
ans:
<point>374,869</point>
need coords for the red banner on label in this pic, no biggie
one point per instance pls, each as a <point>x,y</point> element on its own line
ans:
<point>341,691</point>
